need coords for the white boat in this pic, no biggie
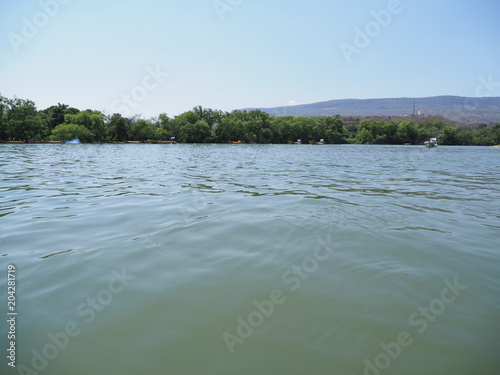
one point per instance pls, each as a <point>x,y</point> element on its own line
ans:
<point>321,142</point>
<point>431,143</point>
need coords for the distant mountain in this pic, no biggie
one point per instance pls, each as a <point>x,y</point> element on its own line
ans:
<point>456,108</point>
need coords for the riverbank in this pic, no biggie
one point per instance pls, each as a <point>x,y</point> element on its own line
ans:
<point>21,120</point>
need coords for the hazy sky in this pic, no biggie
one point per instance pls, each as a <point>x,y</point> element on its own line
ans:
<point>148,57</point>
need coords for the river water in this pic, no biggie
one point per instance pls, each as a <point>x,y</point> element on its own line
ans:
<point>251,259</point>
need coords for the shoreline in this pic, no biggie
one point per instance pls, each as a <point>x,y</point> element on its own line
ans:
<point>229,144</point>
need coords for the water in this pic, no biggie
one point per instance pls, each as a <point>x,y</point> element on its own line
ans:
<point>251,259</point>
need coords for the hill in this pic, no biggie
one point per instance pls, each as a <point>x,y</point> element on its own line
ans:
<point>455,108</point>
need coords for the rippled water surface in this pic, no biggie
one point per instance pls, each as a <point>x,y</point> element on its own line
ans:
<point>250,259</point>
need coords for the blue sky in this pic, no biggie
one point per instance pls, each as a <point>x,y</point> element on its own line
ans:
<point>150,57</point>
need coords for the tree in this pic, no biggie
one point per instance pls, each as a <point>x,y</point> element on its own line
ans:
<point>189,117</point>
<point>265,136</point>
<point>285,128</point>
<point>496,134</point>
<point>331,129</point>
<point>55,114</point>
<point>141,130</point>
<point>434,126</point>
<point>199,132</point>
<point>249,138</point>
<point>64,132</point>
<point>229,129</point>
<point>3,116</point>
<point>390,131</point>
<point>92,120</point>
<point>210,116</point>
<point>118,128</point>
<point>165,127</point>
<point>364,136</point>
<point>161,134</point>
<point>303,128</point>
<point>21,120</point>
<point>464,136</point>
<point>449,135</point>
<point>407,133</point>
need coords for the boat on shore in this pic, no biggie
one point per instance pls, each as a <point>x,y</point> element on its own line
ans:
<point>13,142</point>
<point>172,141</point>
<point>321,142</point>
<point>49,142</point>
<point>299,142</point>
<point>431,143</point>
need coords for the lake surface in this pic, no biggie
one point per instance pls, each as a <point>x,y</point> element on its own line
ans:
<point>251,259</point>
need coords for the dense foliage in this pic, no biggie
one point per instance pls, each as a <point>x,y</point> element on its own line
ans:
<point>20,120</point>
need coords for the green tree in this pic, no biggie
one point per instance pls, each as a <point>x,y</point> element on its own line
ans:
<point>189,117</point>
<point>92,120</point>
<point>55,114</point>
<point>229,129</point>
<point>266,135</point>
<point>161,134</point>
<point>22,120</point>
<point>303,128</point>
<point>389,133</point>
<point>464,136</point>
<point>334,130</point>
<point>166,128</point>
<point>407,133</point>
<point>3,118</point>
<point>250,138</point>
<point>118,128</point>
<point>210,116</point>
<point>65,132</point>
<point>434,126</point>
<point>449,135</point>
<point>286,128</point>
<point>496,134</point>
<point>367,131</point>
<point>364,136</point>
<point>199,132</point>
<point>141,130</point>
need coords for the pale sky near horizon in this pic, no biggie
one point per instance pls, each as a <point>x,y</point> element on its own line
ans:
<point>150,57</point>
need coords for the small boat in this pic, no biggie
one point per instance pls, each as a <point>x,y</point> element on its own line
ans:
<point>172,141</point>
<point>235,142</point>
<point>12,142</point>
<point>431,143</point>
<point>165,142</point>
<point>321,142</point>
<point>50,142</point>
<point>73,141</point>
<point>133,142</point>
<point>299,142</point>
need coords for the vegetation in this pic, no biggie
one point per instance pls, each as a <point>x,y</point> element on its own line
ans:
<point>20,120</point>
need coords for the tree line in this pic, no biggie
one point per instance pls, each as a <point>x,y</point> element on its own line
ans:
<point>21,120</point>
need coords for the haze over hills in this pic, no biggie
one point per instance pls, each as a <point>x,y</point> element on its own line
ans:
<point>462,109</point>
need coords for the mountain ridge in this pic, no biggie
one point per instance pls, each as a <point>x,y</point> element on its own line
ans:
<point>456,108</point>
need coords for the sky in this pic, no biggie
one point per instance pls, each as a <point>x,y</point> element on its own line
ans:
<point>149,57</point>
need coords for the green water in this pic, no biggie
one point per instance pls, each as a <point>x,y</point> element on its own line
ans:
<point>249,259</point>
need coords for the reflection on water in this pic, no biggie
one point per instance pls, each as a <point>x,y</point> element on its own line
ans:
<point>310,259</point>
